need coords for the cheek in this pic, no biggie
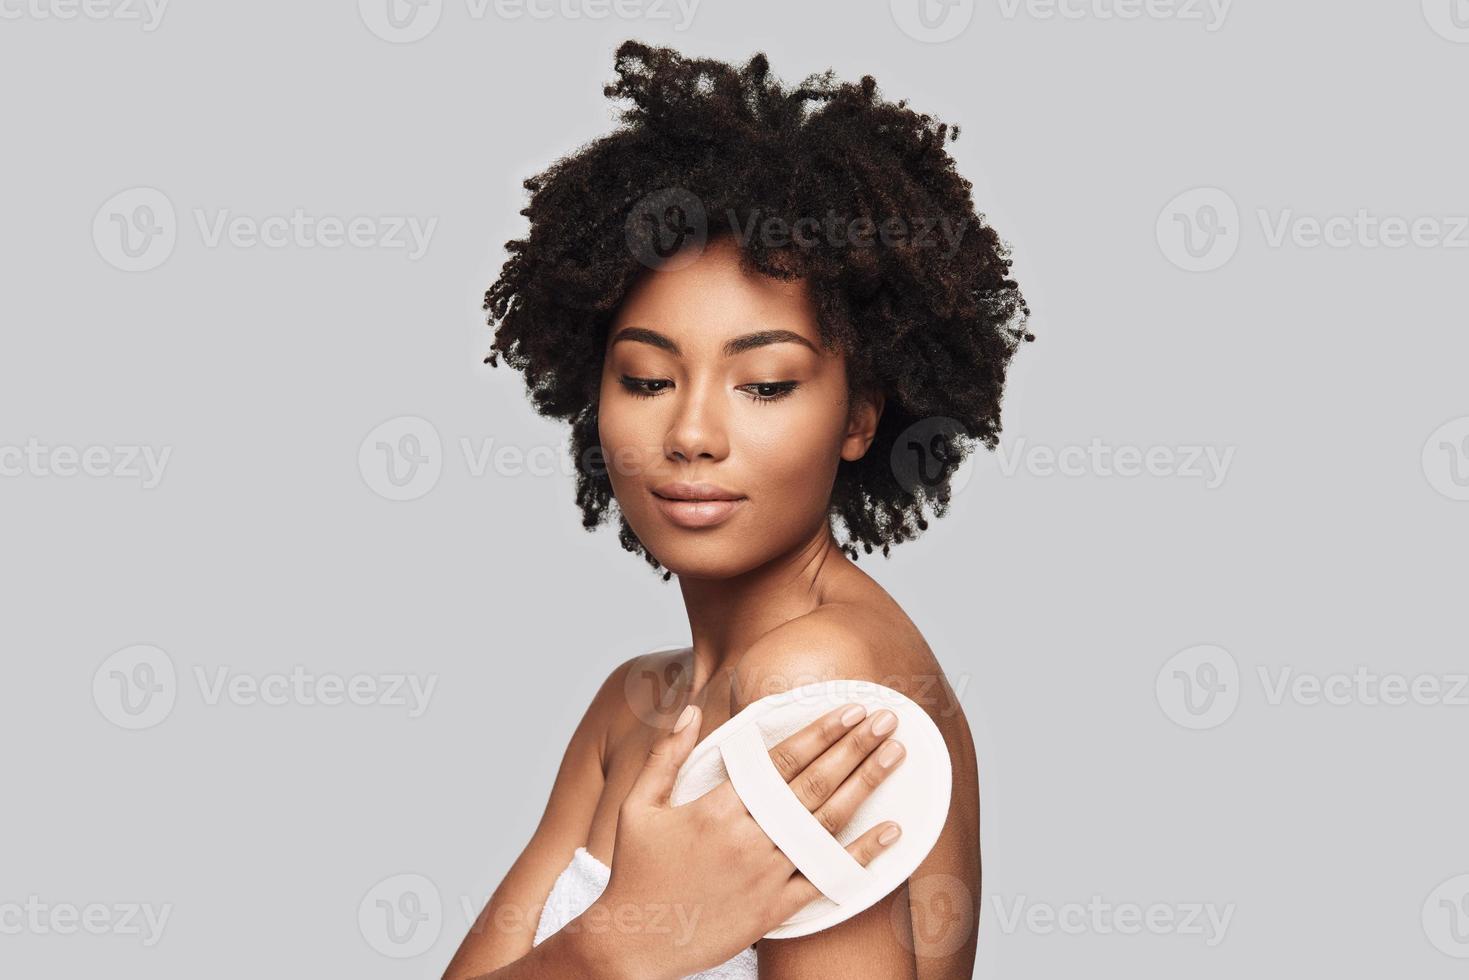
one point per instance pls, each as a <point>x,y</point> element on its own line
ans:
<point>627,444</point>
<point>794,455</point>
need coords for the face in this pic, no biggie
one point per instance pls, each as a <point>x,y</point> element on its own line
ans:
<point>715,385</point>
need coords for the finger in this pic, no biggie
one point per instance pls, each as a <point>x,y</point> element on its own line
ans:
<point>818,781</point>
<point>799,892</point>
<point>802,748</point>
<point>655,781</point>
<point>877,766</point>
<point>793,753</point>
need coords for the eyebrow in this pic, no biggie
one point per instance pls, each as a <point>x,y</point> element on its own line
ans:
<point>733,346</point>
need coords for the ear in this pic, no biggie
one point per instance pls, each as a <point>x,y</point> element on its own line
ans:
<point>862,424</point>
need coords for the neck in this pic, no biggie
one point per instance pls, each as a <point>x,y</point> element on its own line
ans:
<point>727,615</point>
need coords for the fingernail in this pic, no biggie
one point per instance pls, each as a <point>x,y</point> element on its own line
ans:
<point>886,721</point>
<point>889,753</point>
<point>685,718</point>
<point>853,715</point>
<point>889,835</point>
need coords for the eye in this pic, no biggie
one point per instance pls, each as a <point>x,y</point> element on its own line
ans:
<point>642,387</point>
<point>770,391</point>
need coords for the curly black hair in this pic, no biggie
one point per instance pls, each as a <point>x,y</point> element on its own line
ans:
<point>931,320</point>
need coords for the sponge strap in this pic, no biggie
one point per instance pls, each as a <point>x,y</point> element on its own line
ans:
<point>786,821</point>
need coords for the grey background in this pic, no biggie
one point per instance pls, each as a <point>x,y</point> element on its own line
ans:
<point>1053,601</point>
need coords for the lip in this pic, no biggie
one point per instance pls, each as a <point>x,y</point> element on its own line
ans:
<point>695,505</point>
<point>695,491</point>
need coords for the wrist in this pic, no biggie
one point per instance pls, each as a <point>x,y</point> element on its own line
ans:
<point>603,952</point>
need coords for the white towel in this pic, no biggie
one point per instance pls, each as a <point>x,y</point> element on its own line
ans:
<point>579,886</point>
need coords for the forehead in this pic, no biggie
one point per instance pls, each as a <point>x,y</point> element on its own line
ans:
<point>712,298</point>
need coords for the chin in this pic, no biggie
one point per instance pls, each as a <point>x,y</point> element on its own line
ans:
<point>706,559</point>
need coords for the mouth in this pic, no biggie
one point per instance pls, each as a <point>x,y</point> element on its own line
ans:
<point>696,505</point>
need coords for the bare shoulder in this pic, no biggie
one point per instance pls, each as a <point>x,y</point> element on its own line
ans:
<point>870,640</point>
<point>643,694</point>
<point>864,636</point>
<point>827,644</point>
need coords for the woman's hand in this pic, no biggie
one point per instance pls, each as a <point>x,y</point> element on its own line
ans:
<point>693,885</point>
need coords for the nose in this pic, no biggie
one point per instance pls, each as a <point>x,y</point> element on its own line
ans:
<point>696,429</point>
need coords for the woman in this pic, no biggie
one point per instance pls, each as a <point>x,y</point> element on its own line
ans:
<point>762,311</point>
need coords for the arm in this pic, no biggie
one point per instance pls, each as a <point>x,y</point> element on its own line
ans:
<point>567,954</point>
<point>500,943</point>
<point>876,943</point>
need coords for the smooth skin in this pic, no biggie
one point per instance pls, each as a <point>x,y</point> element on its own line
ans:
<point>716,375</point>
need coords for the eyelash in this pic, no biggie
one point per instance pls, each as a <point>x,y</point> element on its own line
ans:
<point>783,388</point>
